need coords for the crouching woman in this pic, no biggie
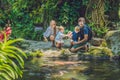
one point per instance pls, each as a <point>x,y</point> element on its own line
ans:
<point>50,33</point>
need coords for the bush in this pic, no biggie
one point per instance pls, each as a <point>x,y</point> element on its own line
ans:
<point>98,31</point>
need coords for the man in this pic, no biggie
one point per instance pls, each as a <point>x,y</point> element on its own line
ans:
<point>83,35</point>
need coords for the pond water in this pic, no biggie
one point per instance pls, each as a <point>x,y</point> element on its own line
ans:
<point>74,70</point>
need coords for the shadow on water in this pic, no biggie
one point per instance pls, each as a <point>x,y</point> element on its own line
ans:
<point>53,69</point>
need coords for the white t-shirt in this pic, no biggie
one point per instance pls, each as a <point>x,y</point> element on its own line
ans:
<point>59,37</point>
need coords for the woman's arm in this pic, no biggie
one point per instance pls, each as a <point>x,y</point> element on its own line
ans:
<point>47,33</point>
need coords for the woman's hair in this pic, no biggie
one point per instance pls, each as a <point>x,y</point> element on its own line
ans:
<point>81,19</point>
<point>77,28</point>
<point>61,28</point>
<point>52,21</point>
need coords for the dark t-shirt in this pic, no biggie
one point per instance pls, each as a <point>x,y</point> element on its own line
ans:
<point>83,31</point>
<point>74,36</point>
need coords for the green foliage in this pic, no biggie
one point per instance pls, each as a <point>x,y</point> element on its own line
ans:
<point>68,14</point>
<point>11,60</point>
<point>37,53</point>
<point>98,31</point>
<point>65,53</point>
<point>25,14</point>
<point>37,35</point>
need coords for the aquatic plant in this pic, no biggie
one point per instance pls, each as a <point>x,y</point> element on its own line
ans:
<point>36,53</point>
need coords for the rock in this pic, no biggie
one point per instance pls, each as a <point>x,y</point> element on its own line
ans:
<point>113,41</point>
<point>96,41</point>
<point>37,45</point>
<point>99,51</point>
<point>51,53</point>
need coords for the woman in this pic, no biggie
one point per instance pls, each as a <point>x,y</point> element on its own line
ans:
<point>51,32</point>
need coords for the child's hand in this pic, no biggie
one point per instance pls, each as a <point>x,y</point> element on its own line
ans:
<point>69,34</point>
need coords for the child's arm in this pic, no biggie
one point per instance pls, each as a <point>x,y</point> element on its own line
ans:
<point>78,38</point>
<point>69,34</point>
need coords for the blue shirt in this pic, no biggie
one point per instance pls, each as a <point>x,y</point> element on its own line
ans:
<point>83,31</point>
<point>74,36</point>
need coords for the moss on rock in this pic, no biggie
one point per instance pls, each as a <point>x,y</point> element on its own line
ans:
<point>113,41</point>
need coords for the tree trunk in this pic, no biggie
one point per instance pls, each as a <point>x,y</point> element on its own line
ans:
<point>95,13</point>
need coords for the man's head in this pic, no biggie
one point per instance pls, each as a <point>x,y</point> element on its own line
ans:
<point>53,23</point>
<point>81,21</point>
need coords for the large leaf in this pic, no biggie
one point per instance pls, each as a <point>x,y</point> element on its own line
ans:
<point>11,60</point>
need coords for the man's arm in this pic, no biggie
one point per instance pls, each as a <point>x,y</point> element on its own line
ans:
<point>83,40</point>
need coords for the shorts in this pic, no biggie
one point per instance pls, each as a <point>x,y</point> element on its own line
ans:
<point>79,45</point>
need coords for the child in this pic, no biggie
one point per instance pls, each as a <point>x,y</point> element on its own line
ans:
<point>74,35</point>
<point>50,33</point>
<point>59,38</point>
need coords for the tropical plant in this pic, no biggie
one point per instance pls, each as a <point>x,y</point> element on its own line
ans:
<point>68,14</point>
<point>11,60</point>
<point>98,31</point>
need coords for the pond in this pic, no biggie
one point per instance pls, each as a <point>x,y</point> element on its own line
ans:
<point>55,69</point>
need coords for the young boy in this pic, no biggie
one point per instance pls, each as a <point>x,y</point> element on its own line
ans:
<point>74,35</point>
<point>59,38</point>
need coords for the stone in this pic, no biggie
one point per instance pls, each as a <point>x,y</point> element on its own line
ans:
<point>96,41</point>
<point>99,51</point>
<point>113,41</point>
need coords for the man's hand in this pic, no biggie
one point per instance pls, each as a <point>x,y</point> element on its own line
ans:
<point>74,43</point>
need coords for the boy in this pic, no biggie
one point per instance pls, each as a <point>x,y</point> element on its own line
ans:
<point>75,37</point>
<point>59,38</point>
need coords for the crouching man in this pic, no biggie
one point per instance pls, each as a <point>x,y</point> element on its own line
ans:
<point>85,35</point>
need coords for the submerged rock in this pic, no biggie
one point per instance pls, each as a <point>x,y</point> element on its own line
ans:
<point>113,40</point>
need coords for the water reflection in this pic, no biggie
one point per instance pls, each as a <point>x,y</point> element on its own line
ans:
<point>90,70</point>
